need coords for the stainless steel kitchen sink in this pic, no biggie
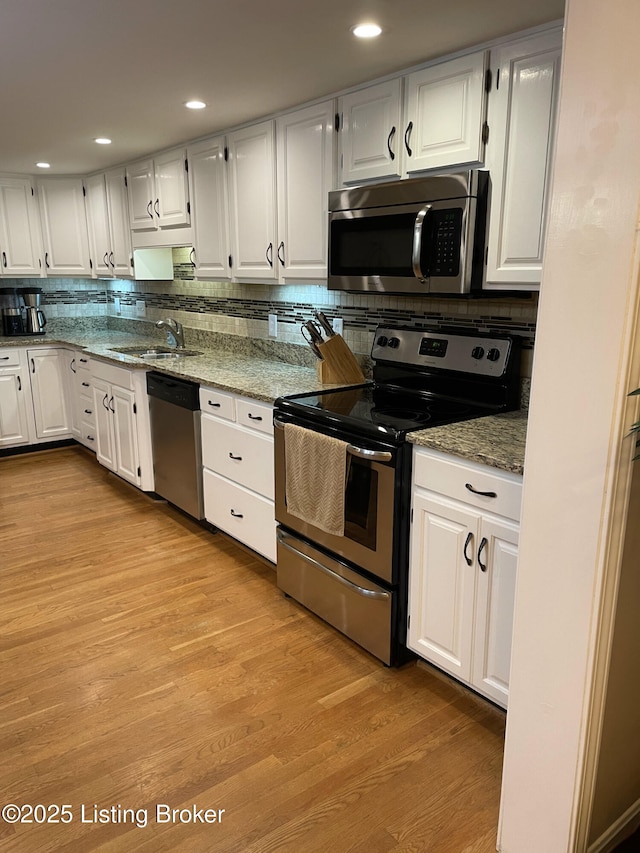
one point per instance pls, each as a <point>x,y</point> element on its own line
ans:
<point>154,353</point>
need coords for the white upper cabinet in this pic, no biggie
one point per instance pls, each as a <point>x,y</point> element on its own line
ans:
<point>370,133</point>
<point>305,174</point>
<point>209,196</point>
<point>64,226</point>
<point>20,241</point>
<point>159,192</point>
<point>522,110</point>
<point>445,114</point>
<point>252,196</point>
<point>109,234</point>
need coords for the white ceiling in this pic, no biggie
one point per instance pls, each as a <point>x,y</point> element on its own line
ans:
<point>73,70</point>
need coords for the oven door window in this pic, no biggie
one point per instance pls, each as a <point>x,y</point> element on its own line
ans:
<point>361,503</point>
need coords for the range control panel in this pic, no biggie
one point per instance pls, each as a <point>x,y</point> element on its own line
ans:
<point>480,355</point>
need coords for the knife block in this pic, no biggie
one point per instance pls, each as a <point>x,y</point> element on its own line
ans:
<point>338,363</point>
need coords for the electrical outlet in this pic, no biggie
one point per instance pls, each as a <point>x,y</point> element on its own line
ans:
<point>273,325</point>
<point>116,304</point>
<point>141,308</point>
<point>338,325</point>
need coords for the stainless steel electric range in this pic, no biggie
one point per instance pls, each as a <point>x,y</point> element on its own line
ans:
<point>353,462</point>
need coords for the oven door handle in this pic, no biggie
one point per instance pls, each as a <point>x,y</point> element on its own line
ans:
<point>370,455</point>
<point>417,243</point>
<point>360,452</point>
<point>366,593</point>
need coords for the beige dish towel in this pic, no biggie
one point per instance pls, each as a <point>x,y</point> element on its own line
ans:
<point>315,475</point>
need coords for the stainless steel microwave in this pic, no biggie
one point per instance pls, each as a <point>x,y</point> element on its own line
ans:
<point>424,235</point>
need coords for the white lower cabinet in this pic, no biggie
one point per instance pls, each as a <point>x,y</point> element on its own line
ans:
<point>80,396</point>
<point>237,457</point>
<point>48,391</point>
<point>123,438</point>
<point>462,575</point>
<point>16,411</point>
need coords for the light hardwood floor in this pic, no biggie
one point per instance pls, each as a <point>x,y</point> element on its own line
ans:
<point>147,661</point>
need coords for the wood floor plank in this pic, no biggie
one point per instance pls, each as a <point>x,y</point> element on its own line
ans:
<point>146,660</point>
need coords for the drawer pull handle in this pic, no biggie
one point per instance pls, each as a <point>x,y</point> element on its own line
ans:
<point>466,545</point>
<point>215,405</point>
<point>236,514</point>
<point>476,492</point>
<point>254,417</point>
<point>482,565</point>
<point>85,384</point>
<point>90,438</point>
<point>236,458</point>
<point>88,412</point>
<point>5,358</point>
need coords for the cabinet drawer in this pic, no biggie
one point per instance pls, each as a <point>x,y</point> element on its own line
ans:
<point>217,403</point>
<point>9,357</point>
<point>247,517</point>
<point>255,415</point>
<point>88,434</point>
<point>239,454</point>
<point>460,480</point>
<point>111,374</point>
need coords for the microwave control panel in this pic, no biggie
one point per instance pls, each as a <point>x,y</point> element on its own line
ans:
<point>445,239</point>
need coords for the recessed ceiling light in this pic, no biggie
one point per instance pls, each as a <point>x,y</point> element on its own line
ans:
<point>102,140</point>
<point>43,165</point>
<point>195,105</point>
<point>366,31</point>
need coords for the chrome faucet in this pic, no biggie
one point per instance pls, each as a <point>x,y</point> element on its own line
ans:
<point>174,330</point>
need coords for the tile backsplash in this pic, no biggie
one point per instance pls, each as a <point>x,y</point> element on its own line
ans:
<point>243,309</point>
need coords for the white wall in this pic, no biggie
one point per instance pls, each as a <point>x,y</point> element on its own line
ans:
<point>574,500</point>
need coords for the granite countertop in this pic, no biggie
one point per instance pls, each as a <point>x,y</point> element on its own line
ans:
<point>250,375</point>
<point>496,440</point>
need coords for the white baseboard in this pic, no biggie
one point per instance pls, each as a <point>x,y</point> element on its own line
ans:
<point>626,824</point>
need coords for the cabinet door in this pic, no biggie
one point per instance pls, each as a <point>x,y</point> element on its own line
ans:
<point>371,133</point>
<point>64,226</point>
<point>209,196</point>
<point>141,193</point>
<point>48,388</point>
<point>496,560</point>
<point>252,202</point>
<point>19,228</point>
<point>14,403</point>
<point>123,409</point>
<point>105,444</point>
<point>305,147</point>
<point>171,204</point>
<point>446,107</point>
<point>120,256</point>
<point>441,583</point>
<point>98,220</point>
<point>522,114</point>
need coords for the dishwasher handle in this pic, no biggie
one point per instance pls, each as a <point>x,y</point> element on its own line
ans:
<point>178,392</point>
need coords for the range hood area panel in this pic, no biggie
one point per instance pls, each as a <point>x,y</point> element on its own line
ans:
<point>153,264</point>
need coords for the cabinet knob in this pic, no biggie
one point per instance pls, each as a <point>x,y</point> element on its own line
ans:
<point>407,135</point>
<point>483,494</point>
<point>483,544</point>
<point>392,133</point>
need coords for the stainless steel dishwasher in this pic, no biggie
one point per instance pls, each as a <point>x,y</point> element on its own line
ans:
<point>174,408</point>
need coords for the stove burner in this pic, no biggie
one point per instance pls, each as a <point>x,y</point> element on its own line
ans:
<point>399,417</point>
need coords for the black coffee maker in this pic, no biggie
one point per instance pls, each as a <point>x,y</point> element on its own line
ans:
<point>13,311</point>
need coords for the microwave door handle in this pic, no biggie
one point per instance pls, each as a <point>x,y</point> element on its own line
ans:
<point>417,242</point>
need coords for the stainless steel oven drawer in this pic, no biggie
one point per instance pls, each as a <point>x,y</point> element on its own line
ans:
<point>355,606</point>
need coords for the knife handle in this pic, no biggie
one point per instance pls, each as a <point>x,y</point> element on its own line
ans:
<point>326,325</point>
